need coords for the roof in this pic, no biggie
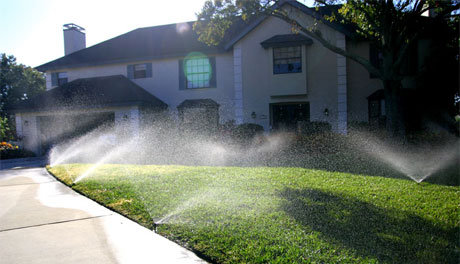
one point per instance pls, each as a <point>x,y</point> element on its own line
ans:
<point>174,40</point>
<point>109,91</point>
<point>196,103</point>
<point>286,41</point>
<point>347,29</point>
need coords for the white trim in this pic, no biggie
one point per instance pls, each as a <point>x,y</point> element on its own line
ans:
<point>341,86</point>
<point>238,84</point>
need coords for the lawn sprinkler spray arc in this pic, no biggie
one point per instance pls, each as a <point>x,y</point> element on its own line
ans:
<point>159,222</point>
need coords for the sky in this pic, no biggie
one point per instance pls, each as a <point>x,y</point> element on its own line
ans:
<point>31,30</point>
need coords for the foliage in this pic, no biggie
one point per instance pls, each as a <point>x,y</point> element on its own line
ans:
<point>393,27</point>
<point>10,151</point>
<point>246,132</point>
<point>315,127</point>
<point>4,128</point>
<point>243,134</point>
<point>17,82</point>
<point>282,215</point>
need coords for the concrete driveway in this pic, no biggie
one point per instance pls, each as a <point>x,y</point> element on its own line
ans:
<point>44,221</point>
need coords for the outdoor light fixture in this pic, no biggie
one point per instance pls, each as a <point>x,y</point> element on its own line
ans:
<point>125,117</point>
<point>253,115</point>
<point>26,122</point>
<point>326,112</point>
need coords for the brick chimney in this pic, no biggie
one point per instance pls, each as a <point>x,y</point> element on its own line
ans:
<point>74,38</point>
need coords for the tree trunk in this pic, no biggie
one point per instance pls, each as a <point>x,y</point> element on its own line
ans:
<point>394,109</point>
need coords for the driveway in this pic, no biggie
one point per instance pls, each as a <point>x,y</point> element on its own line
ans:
<point>23,163</point>
<point>44,221</point>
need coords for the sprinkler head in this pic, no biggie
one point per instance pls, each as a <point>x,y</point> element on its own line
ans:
<point>155,225</point>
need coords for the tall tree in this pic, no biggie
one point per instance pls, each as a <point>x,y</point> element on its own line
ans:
<point>392,27</point>
<point>17,82</point>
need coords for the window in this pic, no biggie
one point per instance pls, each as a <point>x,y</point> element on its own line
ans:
<point>376,109</point>
<point>376,59</point>
<point>198,72</point>
<point>139,71</point>
<point>287,60</point>
<point>58,78</point>
<point>62,78</point>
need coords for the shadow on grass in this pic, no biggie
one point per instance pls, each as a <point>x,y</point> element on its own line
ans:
<point>359,163</point>
<point>391,236</point>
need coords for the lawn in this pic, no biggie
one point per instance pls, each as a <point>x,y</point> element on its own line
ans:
<point>282,215</point>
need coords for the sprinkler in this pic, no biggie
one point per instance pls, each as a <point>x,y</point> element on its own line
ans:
<point>419,181</point>
<point>156,224</point>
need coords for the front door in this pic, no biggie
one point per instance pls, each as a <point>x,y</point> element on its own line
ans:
<point>285,116</point>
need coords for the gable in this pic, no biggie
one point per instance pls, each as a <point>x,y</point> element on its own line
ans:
<point>305,14</point>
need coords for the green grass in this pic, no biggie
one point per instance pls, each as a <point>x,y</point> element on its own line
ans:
<point>283,215</point>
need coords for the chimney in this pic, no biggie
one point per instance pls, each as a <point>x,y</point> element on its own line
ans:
<point>74,38</point>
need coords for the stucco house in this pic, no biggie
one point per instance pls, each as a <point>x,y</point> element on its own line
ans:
<point>262,73</point>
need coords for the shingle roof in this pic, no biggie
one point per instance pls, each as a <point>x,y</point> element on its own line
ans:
<point>116,90</point>
<point>174,40</point>
<point>348,30</point>
<point>286,40</point>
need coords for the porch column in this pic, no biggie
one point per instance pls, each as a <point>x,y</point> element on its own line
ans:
<point>19,131</point>
<point>30,133</point>
<point>127,123</point>
<point>342,117</point>
<point>238,84</point>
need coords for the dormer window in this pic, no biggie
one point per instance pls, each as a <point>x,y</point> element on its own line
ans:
<point>287,60</point>
<point>58,78</point>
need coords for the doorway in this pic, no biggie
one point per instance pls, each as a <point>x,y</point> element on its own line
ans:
<point>285,116</point>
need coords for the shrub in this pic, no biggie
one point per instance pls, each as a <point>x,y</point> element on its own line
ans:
<point>246,133</point>
<point>9,151</point>
<point>316,127</point>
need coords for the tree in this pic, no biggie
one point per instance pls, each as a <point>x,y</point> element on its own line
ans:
<point>17,82</point>
<point>392,27</point>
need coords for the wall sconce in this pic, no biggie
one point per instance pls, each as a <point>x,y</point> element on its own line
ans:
<point>253,115</point>
<point>326,112</point>
<point>125,117</point>
<point>26,122</point>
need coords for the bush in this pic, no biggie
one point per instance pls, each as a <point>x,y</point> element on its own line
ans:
<point>243,134</point>
<point>316,127</point>
<point>9,151</point>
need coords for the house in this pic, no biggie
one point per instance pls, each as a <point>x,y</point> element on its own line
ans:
<point>262,73</point>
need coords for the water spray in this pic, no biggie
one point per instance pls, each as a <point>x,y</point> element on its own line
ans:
<point>161,221</point>
<point>156,224</point>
